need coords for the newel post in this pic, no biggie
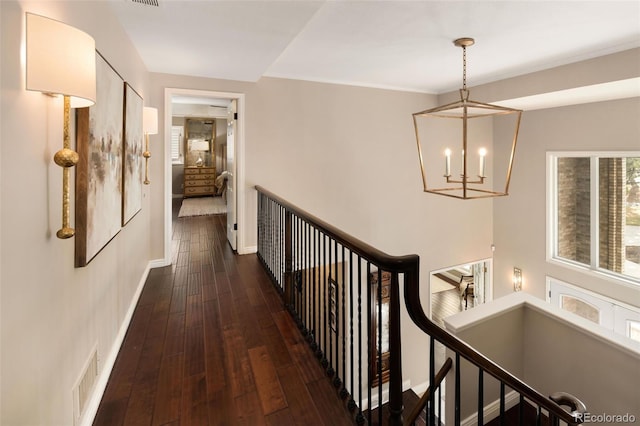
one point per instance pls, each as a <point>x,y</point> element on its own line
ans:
<point>395,354</point>
<point>288,259</point>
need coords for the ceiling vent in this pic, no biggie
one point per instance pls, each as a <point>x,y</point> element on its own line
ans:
<point>147,2</point>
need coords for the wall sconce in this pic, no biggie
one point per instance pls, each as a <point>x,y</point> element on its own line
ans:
<point>150,127</point>
<point>476,118</point>
<point>517,279</point>
<point>61,60</point>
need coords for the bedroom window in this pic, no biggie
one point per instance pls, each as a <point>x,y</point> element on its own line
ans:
<point>176,144</point>
<point>594,213</point>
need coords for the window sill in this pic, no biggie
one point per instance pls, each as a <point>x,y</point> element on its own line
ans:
<point>616,279</point>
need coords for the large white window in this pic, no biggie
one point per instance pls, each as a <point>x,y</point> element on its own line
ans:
<point>594,211</point>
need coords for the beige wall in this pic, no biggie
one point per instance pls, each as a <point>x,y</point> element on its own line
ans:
<point>53,314</point>
<point>562,357</point>
<point>520,219</point>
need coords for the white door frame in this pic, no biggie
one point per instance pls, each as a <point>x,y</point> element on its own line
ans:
<point>488,290</point>
<point>239,155</point>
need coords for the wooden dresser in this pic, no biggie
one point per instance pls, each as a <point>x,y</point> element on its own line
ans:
<point>199,181</point>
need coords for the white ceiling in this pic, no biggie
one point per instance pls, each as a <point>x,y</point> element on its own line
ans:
<point>405,45</point>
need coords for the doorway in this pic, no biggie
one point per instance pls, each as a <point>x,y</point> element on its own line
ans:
<point>458,288</point>
<point>233,106</point>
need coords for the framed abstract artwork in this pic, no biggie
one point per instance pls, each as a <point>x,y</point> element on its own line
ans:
<point>99,141</point>
<point>133,166</point>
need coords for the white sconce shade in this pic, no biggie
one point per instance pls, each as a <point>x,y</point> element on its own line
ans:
<point>150,120</point>
<point>60,60</point>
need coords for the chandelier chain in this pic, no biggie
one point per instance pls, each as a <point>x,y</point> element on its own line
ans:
<point>464,67</point>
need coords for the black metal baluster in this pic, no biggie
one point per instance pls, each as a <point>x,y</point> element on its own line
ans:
<point>432,375</point>
<point>521,410</point>
<point>480,396</point>
<point>281,252</point>
<point>323,282</point>
<point>333,359</point>
<point>369,344</point>
<point>457,391</point>
<point>360,418</point>
<point>327,356</point>
<point>502,419</point>
<point>351,404</point>
<point>378,350</point>
<point>343,316</point>
<point>314,307</point>
<point>539,416</point>
<point>278,263</point>
<point>305,283</point>
<point>440,403</point>
<point>296,272</point>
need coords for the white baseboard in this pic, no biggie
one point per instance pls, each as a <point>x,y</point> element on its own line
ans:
<point>492,410</point>
<point>248,250</point>
<point>159,263</point>
<point>101,384</point>
<point>420,389</point>
<point>385,395</point>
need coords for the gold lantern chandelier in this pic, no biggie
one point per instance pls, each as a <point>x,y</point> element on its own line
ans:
<point>477,126</point>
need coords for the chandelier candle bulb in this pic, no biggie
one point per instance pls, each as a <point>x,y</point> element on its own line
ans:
<point>483,153</point>
<point>462,170</point>
<point>447,164</point>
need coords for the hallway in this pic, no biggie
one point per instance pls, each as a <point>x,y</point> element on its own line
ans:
<point>211,344</point>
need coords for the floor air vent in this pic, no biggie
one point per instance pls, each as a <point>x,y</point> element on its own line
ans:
<point>147,2</point>
<point>85,384</point>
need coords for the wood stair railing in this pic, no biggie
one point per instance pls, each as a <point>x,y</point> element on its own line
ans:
<point>302,255</point>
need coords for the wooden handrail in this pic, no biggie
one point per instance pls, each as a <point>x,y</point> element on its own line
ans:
<point>578,409</point>
<point>442,373</point>
<point>381,259</point>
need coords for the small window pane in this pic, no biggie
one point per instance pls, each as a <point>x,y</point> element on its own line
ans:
<point>619,227</point>
<point>631,239</point>
<point>574,209</point>
<point>633,330</point>
<point>580,307</point>
<point>176,142</point>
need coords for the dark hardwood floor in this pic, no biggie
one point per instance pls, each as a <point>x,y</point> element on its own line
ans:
<point>211,344</point>
<point>444,304</point>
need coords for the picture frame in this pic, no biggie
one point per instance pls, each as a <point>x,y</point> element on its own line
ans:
<point>99,142</point>
<point>133,162</point>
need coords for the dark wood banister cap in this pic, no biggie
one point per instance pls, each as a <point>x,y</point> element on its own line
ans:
<point>578,409</point>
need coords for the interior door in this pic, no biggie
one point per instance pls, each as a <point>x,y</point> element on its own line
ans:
<point>231,181</point>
